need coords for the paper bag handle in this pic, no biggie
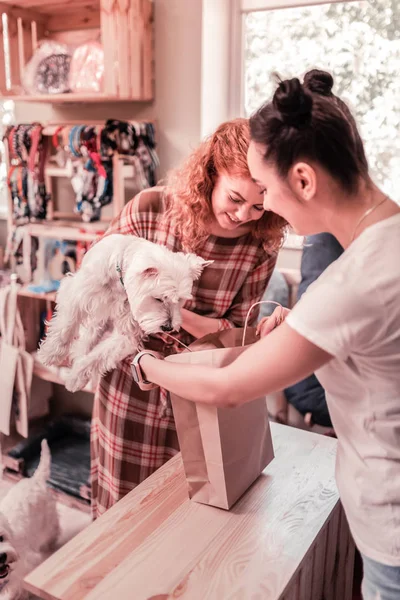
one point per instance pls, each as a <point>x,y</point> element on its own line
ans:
<point>245,324</point>
<point>179,341</point>
<point>249,312</point>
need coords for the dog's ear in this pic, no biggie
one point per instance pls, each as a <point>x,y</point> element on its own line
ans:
<point>197,264</point>
<point>150,273</point>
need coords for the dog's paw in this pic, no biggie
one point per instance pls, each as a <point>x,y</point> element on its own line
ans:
<point>50,357</point>
<point>77,379</point>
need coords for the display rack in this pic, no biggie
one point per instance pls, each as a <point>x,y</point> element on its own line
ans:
<point>60,225</point>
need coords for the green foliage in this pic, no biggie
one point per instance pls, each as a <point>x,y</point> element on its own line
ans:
<point>359,43</point>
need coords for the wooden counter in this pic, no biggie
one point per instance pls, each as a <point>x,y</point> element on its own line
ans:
<point>286,538</point>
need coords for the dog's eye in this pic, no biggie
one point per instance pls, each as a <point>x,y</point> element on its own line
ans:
<point>1,539</point>
<point>158,299</point>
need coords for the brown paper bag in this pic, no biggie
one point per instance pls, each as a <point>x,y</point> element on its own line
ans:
<point>223,450</point>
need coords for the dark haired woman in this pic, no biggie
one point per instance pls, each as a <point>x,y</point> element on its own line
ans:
<point>308,160</point>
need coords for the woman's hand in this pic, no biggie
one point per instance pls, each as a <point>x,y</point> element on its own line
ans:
<point>197,325</point>
<point>268,324</point>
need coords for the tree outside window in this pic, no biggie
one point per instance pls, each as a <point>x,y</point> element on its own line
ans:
<point>359,43</point>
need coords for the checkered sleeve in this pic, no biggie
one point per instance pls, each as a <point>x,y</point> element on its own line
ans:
<point>251,291</point>
<point>139,216</point>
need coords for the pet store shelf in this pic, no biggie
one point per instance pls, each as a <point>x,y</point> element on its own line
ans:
<point>52,374</point>
<point>72,98</point>
<point>27,293</point>
<point>68,230</point>
<point>127,170</point>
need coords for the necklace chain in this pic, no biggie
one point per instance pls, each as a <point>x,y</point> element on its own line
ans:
<point>366,214</point>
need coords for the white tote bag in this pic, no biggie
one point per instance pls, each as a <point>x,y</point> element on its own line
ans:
<point>16,364</point>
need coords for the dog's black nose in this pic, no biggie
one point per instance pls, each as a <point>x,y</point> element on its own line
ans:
<point>167,327</point>
<point>3,557</point>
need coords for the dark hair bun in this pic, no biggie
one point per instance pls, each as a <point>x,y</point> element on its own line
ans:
<point>319,82</point>
<point>293,102</point>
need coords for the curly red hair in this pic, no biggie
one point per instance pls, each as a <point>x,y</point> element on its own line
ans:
<point>189,187</point>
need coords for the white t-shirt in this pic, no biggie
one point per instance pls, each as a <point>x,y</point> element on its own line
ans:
<point>353,312</point>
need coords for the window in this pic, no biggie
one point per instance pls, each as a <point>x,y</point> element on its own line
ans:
<point>6,118</point>
<point>357,41</point>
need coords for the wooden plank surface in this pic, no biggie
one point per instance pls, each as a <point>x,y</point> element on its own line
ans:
<point>135,42</point>
<point>109,45</point>
<point>73,98</point>
<point>14,52</point>
<point>67,230</point>
<point>15,10</point>
<point>148,50</point>
<point>155,543</point>
<point>67,19</point>
<point>46,7</point>
<point>121,24</point>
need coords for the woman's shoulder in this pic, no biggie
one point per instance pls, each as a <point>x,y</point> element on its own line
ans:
<point>261,252</point>
<point>150,200</point>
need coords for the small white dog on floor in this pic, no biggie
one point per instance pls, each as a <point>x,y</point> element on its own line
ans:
<point>29,529</point>
<point>126,289</point>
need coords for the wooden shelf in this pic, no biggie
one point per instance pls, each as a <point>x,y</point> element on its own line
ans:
<point>125,30</point>
<point>127,170</point>
<point>47,373</point>
<point>54,171</point>
<point>52,374</point>
<point>72,98</point>
<point>67,230</point>
<point>26,293</point>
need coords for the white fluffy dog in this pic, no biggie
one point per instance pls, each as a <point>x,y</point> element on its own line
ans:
<point>127,288</point>
<point>29,529</point>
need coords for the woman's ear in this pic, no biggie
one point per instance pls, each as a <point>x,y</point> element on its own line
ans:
<point>303,181</point>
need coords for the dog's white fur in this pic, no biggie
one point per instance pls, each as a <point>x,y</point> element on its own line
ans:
<point>99,321</point>
<point>29,528</point>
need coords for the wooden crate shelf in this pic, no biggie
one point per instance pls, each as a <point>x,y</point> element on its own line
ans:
<point>27,293</point>
<point>72,98</point>
<point>125,28</point>
<point>52,374</point>
<point>54,171</point>
<point>67,230</point>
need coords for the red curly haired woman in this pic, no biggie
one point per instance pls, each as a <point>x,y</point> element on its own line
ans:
<point>212,207</point>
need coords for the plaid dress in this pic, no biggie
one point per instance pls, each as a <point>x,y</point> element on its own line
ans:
<point>133,432</point>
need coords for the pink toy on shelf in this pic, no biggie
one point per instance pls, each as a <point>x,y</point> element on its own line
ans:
<point>87,68</point>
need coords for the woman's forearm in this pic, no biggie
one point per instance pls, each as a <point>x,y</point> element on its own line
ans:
<point>279,360</point>
<point>195,382</point>
<point>198,325</point>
